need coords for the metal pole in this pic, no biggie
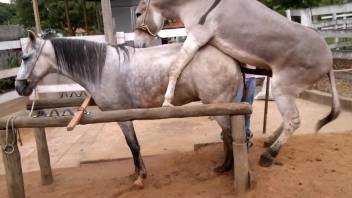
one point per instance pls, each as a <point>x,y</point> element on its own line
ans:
<point>266,103</point>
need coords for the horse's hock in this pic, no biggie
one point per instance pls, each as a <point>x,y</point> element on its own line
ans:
<point>11,154</point>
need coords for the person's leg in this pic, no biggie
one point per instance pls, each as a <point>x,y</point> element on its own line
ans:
<point>239,94</point>
<point>251,84</point>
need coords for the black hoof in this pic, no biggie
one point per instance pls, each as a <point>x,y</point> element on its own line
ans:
<point>223,168</point>
<point>266,160</point>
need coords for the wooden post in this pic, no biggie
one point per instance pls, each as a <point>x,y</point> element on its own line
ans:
<point>68,20</point>
<point>43,156</point>
<point>13,168</point>
<point>38,29</point>
<point>107,20</point>
<point>241,169</point>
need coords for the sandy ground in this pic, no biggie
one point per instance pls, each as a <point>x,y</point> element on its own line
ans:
<point>106,141</point>
<point>309,166</point>
<point>179,172</point>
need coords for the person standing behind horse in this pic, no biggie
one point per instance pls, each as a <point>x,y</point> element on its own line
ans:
<point>250,84</point>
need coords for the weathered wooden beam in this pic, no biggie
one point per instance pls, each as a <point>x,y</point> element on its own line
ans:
<point>38,29</point>
<point>241,166</point>
<point>43,156</point>
<point>12,164</point>
<point>134,114</point>
<point>107,20</point>
<point>56,103</point>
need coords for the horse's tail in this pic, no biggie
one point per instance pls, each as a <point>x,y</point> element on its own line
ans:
<point>335,108</point>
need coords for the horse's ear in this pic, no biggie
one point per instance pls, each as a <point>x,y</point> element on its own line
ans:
<point>32,37</point>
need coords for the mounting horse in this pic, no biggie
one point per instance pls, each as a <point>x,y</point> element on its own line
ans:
<point>122,77</point>
<point>251,33</point>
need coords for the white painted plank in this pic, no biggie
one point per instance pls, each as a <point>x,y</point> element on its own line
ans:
<point>7,45</point>
<point>9,96</point>
<point>342,55</point>
<point>6,73</point>
<point>332,23</point>
<point>59,88</point>
<point>341,44</point>
<point>173,33</point>
<point>336,33</point>
<point>325,10</point>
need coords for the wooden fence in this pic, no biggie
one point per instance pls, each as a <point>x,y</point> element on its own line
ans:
<point>12,159</point>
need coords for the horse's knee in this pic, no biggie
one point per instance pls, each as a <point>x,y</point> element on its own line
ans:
<point>292,124</point>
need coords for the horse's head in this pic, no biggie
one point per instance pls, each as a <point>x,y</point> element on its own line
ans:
<point>35,65</point>
<point>149,22</point>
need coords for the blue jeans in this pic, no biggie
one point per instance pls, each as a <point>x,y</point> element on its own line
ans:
<point>250,84</point>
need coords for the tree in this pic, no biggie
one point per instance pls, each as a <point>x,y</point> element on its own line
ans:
<point>61,15</point>
<point>7,14</point>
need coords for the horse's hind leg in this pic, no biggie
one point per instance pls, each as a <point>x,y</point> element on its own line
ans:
<point>224,122</point>
<point>132,141</point>
<point>291,121</point>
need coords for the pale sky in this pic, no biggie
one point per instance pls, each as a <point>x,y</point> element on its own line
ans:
<point>5,1</point>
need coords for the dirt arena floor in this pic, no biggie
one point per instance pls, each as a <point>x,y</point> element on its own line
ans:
<point>308,166</point>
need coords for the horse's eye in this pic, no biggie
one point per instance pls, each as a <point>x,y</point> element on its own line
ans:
<point>25,57</point>
<point>138,14</point>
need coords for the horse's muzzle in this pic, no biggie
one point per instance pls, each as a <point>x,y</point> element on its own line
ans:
<point>23,87</point>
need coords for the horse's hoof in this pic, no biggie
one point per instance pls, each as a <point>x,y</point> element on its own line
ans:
<point>266,160</point>
<point>139,183</point>
<point>222,169</point>
<point>167,104</point>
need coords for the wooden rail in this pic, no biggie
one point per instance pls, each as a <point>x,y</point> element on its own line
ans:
<point>133,114</point>
<point>6,73</point>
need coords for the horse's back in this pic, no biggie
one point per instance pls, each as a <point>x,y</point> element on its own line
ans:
<point>211,76</point>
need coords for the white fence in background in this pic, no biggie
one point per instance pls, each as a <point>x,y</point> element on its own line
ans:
<point>333,21</point>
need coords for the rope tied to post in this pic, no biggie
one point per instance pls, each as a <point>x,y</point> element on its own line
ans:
<point>9,148</point>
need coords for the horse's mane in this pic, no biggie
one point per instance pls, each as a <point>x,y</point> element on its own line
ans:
<point>82,58</point>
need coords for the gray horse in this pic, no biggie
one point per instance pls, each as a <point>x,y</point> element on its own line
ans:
<point>249,32</point>
<point>120,77</point>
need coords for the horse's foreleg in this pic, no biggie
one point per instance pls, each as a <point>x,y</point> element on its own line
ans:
<point>290,114</point>
<point>195,40</point>
<point>132,141</point>
<point>274,136</point>
<point>224,122</point>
